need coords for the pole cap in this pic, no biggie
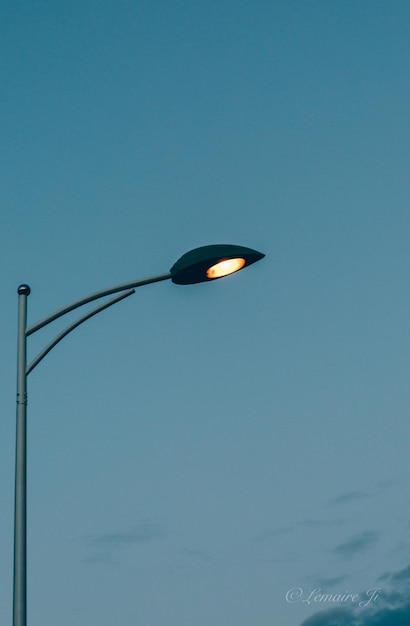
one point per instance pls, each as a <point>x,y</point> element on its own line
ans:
<point>24,290</point>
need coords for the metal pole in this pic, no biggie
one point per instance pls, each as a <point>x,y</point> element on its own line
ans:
<point>20,532</point>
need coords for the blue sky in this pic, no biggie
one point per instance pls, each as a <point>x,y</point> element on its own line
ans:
<point>210,455</point>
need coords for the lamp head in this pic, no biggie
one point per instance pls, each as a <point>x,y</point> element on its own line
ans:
<point>211,262</point>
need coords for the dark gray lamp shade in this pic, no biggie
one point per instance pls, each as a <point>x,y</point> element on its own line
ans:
<point>192,267</point>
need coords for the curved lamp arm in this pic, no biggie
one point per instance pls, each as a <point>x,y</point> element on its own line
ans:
<point>127,288</point>
<point>74,325</point>
<point>94,296</point>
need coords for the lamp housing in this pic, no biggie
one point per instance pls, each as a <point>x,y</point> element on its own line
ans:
<point>211,262</point>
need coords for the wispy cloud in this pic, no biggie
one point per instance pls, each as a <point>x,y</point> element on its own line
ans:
<point>401,576</point>
<point>389,616</point>
<point>273,532</point>
<point>357,496</point>
<point>307,523</point>
<point>350,496</point>
<point>331,617</point>
<point>329,583</point>
<point>102,546</point>
<point>194,554</point>
<point>392,608</point>
<point>145,531</point>
<point>357,544</point>
<point>319,523</point>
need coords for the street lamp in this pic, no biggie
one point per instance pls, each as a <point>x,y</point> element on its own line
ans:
<point>199,265</point>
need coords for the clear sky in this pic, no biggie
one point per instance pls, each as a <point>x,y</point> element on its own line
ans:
<point>211,455</point>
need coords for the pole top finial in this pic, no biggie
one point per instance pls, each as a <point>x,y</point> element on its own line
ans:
<point>24,290</point>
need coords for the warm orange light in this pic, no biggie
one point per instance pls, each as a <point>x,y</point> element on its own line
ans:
<point>223,268</point>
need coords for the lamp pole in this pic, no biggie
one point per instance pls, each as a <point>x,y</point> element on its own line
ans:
<point>20,502</point>
<point>199,265</point>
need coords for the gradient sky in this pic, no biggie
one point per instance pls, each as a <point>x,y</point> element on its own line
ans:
<point>210,455</point>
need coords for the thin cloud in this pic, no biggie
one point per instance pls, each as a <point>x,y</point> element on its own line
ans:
<point>317,523</point>
<point>275,560</point>
<point>357,544</point>
<point>331,617</point>
<point>402,575</point>
<point>398,616</point>
<point>354,496</point>
<point>102,546</point>
<point>329,583</point>
<point>392,608</point>
<point>195,554</point>
<point>268,534</point>
<point>145,532</point>
<point>312,523</point>
<point>350,496</point>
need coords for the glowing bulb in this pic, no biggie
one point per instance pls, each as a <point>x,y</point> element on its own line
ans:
<point>223,268</point>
